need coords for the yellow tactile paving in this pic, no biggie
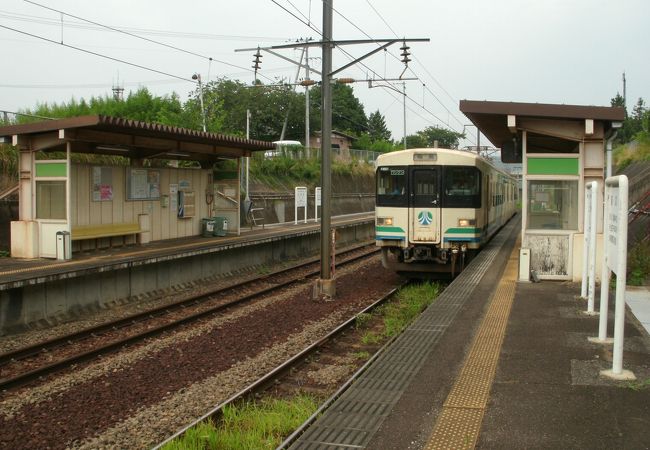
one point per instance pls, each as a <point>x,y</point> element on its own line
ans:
<point>459,423</point>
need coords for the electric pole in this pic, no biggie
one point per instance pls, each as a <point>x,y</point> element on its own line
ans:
<point>326,284</point>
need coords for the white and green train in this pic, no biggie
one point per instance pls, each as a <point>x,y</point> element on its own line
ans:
<point>436,208</point>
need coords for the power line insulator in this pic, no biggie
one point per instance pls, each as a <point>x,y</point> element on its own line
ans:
<point>257,61</point>
<point>345,80</point>
<point>405,53</point>
<point>307,82</point>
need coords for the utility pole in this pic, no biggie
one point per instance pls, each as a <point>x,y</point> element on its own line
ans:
<point>326,285</point>
<point>624,93</point>
<point>307,136</point>
<point>248,158</point>
<point>197,76</point>
<point>404,93</point>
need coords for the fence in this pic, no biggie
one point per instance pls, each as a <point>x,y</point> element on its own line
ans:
<point>367,156</point>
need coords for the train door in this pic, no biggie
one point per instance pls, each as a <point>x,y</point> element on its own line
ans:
<point>424,204</point>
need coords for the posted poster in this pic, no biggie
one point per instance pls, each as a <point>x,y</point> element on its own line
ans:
<point>102,184</point>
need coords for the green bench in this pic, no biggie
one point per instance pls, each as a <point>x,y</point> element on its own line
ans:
<point>81,232</point>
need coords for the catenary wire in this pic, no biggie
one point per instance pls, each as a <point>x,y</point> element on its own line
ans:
<point>410,68</point>
<point>380,78</point>
<point>98,54</point>
<point>117,30</point>
<point>149,31</point>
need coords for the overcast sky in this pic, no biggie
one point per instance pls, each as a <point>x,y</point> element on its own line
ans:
<point>545,51</point>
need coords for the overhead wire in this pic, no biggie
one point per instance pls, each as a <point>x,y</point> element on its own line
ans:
<point>380,78</point>
<point>98,54</point>
<point>410,68</point>
<point>375,73</point>
<point>345,52</point>
<point>149,31</point>
<point>117,30</point>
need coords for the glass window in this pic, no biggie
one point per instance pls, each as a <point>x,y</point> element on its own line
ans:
<point>425,187</point>
<point>552,204</point>
<point>50,200</point>
<point>391,186</point>
<point>462,187</point>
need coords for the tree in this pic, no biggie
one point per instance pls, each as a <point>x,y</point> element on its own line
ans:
<point>227,101</point>
<point>445,138</point>
<point>140,105</point>
<point>415,141</point>
<point>633,123</point>
<point>618,100</point>
<point>377,129</point>
<point>347,111</point>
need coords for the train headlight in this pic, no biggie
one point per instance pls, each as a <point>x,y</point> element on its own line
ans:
<point>384,221</point>
<point>466,222</point>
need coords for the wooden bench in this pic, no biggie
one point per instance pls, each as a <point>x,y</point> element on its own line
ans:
<point>107,230</point>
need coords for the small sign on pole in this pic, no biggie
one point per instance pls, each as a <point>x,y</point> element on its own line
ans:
<point>589,253</point>
<point>317,203</point>
<point>301,202</point>
<point>615,249</point>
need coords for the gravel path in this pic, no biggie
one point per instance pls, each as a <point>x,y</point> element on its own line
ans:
<point>136,398</point>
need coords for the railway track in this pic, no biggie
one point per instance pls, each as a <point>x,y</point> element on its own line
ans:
<point>25,365</point>
<point>263,382</point>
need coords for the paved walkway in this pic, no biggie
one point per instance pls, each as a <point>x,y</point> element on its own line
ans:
<point>638,300</point>
<point>538,387</point>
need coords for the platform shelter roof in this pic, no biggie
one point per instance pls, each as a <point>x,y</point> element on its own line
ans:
<point>491,118</point>
<point>106,135</point>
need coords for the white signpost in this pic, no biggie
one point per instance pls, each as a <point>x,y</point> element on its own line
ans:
<point>589,254</point>
<point>615,249</point>
<point>317,203</point>
<point>301,202</point>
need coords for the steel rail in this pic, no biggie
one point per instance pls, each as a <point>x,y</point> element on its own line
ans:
<point>42,371</point>
<point>259,385</point>
<point>32,350</point>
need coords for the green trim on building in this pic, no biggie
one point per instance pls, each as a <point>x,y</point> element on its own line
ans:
<point>389,229</point>
<point>53,169</point>
<point>463,231</point>
<point>553,166</point>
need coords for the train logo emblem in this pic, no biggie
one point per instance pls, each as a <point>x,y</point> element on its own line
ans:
<point>425,218</point>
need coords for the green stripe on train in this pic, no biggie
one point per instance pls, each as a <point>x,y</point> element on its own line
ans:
<point>389,229</point>
<point>463,231</point>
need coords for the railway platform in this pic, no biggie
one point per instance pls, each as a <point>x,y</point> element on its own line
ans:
<point>47,290</point>
<point>494,363</point>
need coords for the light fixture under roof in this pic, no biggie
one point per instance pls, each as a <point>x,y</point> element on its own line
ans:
<point>109,148</point>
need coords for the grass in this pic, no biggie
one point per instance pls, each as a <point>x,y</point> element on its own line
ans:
<point>362,355</point>
<point>264,424</point>
<point>638,264</point>
<point>638,385</point>
<point>409,302</point>
<point>264,270</point>
<point>362,320</point>
<point>250,426</point>
<point>627,154</point>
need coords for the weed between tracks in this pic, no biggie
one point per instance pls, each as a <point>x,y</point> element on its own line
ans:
<point>263,424</point>
<point>409,302</point>
<point>253,425</point>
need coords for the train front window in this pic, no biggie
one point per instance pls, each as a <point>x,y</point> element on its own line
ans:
<point>425,187</point>
<point>462,187</point>
<point>391,186</point>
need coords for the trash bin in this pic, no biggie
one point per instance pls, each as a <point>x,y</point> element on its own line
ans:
<point>63,245</point>
<point>207,227</point>
<point>220,226</point>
